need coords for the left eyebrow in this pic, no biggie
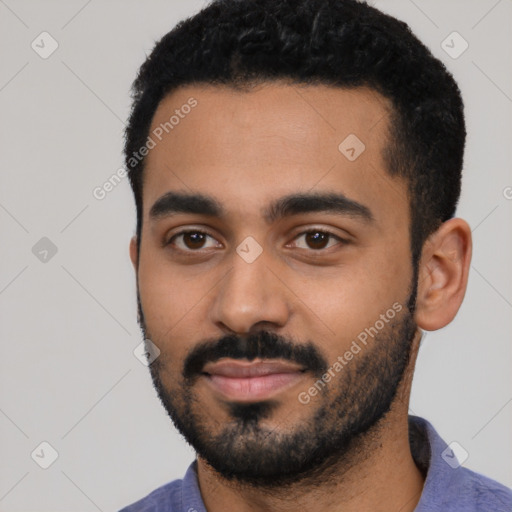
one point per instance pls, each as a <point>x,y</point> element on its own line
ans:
<point>173,203</point>
<point>295,204</point>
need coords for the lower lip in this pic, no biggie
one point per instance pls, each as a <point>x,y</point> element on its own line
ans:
<point>253,388</point>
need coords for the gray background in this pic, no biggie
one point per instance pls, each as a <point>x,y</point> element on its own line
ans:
<point>68,373</point>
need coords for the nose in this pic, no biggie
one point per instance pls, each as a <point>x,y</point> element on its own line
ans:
<point>251,296</point>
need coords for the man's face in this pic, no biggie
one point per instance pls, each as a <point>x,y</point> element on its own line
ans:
<point>249,284</point>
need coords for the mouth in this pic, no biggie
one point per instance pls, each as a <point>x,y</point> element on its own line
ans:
<point>246,381</point>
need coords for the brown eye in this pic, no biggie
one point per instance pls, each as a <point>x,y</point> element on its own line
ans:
<point>317,240</point>
<point>194,240</point>
<point>190,241</point>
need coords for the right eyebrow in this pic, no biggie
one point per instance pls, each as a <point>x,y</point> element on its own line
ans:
<point>173,203</point>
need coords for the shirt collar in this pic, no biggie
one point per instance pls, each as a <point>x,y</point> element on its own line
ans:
<point>437,461</point>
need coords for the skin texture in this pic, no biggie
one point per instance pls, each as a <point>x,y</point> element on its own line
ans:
<point>246,149</point>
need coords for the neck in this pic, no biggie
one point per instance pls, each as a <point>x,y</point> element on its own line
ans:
<point>378,474</point>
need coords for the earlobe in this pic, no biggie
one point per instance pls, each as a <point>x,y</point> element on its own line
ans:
<point>443,274</point>
<point>134,252</point>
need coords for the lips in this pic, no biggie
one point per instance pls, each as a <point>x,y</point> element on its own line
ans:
<point>256,368</point>
<point>249,381</point>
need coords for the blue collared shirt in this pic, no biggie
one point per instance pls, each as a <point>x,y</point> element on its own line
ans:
<point>448,486</point>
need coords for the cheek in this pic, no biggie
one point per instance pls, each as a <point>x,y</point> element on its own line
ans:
<point>352,298</point>
<point>164,295</point>
<point>380,283</point>
<point>175,303</point>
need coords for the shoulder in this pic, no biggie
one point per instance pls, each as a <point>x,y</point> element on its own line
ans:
<point>449,486</point>
<point>480,493</point>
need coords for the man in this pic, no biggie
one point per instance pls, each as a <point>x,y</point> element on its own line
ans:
<point>296,168</point>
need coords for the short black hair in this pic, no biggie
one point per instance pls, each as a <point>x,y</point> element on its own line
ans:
<point>340,43</point>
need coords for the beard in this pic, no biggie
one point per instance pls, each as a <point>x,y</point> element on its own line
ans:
<point>336,434</point>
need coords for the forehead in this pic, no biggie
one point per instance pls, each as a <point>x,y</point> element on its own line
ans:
<point>247,147</point>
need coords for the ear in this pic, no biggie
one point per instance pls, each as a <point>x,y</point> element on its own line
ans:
<point>443,274</point>
<point>134,253</point>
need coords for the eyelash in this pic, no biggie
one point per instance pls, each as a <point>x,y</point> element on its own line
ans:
<point>309,231</point>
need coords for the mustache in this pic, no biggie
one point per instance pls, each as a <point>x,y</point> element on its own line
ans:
<point>263,345</point>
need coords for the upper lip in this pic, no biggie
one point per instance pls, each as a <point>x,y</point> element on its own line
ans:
<point>256,368</point>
